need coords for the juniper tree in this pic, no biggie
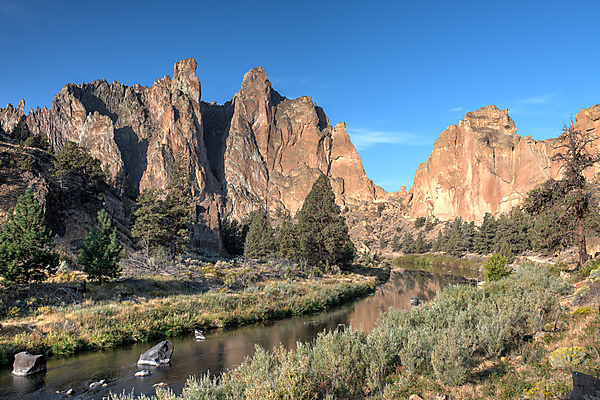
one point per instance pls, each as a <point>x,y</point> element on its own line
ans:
<point>100,252</point>
<point>77,166</point>
<point>323,237</point>
<point>574,154</point>
<point>149,226</point>
<point>26,243</point>
<point>162,217</point>
<point>233,233</point>
<point>560,208</point>
<point>408,244</point>
<point>485,238</point>
<point>396,244</point>
<point>286,239</point>
<point>421,245</point>
<point>177,205</point>
<point>259,240</point>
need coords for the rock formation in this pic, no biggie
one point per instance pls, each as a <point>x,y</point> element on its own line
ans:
<point>259,149</point>
<point>481,165</point>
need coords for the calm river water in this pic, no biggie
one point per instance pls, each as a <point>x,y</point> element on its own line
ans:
<point>222,350</point>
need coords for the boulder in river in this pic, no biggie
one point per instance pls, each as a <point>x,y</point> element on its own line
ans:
<point>143,372</point>
<point>27,364</point>
<point>157,355</point>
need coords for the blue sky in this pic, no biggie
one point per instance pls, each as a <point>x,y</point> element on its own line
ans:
<point>397,72</point>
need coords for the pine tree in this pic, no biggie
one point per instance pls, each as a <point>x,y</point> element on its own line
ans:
<point>439,244</point>
<point>285,239</point>
<point>486,235</point>
<point>469,231</point>
<point>76,164</point>
<point>162,217</point>
<point>26,243</point>
<point>323,237</point>
<point>100,252</point>
<point>177,207</point>
<point>149,226</point>
<point>259,241</point>
<point>396,245</point>
<point>234,235</point>
<point>408,244</point>
<point>421,245</point>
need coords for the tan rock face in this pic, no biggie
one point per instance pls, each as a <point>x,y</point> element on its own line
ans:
<point>259,149</point>
<point>481,165</point>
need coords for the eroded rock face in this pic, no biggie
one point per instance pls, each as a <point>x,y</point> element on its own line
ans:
<point>481,165</point>
<point>259,149</point>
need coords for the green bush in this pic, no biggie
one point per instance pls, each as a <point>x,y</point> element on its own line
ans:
<point>495,267</point>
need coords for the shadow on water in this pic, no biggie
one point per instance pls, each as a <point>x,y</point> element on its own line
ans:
<point>222,350</point>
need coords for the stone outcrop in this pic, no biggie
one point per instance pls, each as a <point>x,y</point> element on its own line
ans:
<point>259,149</point>
<point>481,165</point>
<point>28,364</point>
<point>157,355</point>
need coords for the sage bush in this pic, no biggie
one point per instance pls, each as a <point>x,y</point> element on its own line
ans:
<point>441,339</point>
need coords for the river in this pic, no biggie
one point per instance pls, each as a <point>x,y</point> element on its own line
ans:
<point>222,349</point>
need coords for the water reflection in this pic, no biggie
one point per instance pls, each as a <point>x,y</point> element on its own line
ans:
<point>221,351</point>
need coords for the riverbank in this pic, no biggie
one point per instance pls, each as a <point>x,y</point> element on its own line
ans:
<point>135,310</point>
<point>520,337</point>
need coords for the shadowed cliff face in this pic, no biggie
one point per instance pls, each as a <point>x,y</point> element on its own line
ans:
<point>481,165</point>
<point>259,149</point>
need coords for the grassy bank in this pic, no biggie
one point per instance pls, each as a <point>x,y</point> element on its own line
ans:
<point>102,323</point>
<point>435,262</point>
<point>508,340</point>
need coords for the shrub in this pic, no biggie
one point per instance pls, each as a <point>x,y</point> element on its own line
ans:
<point>566,357</point>
<point>420,222</point>
<point>495,267</point>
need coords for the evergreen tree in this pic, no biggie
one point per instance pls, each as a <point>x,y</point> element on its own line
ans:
<point>26,243</point>
<point>469,232</point>
<point>77,166</point>
<point>453,237</point>
<point>177,208</point>
<point>574,154</point>
<point>408,244</point>
<point>162,217</point>
<point>285,239</point>
<point>100,252</point>
<point>552,226</point>
<point>323,237</point>
<point>486,235</point>
<point>149,226</point>
<point>259,241</point>
<point>21,131</point>
<point>421,245</point>
<point>234,235</point>
<point>396,244</point>
<point>439,243</point>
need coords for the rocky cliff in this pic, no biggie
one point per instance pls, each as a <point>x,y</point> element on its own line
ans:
<point>481,165</point>
<point>259,149</point>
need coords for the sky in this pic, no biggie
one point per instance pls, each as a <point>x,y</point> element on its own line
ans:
<point>397,72</point>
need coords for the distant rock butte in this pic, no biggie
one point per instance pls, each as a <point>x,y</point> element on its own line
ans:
<point>258,149</point>
<point>481,165</point>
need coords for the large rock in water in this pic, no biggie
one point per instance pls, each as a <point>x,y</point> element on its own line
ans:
<point>481,165</point>
<point>28,364</point>
<point>157,355</point>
